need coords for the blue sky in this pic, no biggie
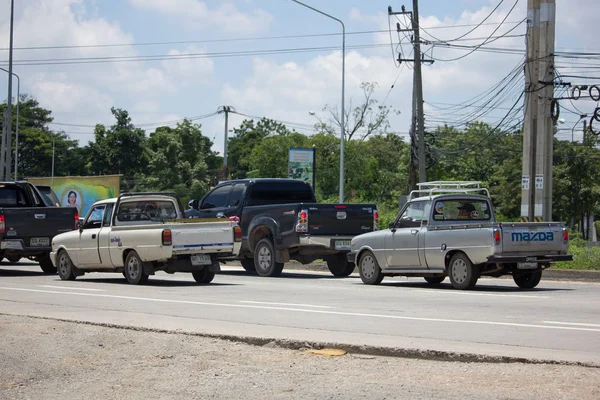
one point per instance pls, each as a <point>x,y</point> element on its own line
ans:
<point>284,86</point>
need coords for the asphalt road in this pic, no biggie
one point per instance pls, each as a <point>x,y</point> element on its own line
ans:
<point>558,321</point>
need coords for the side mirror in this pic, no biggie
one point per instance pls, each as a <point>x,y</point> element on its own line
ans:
<point>80,225</point>
<point>391,225</point>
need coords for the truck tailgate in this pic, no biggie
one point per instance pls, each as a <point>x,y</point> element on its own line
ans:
<point>38,223</point>
<point>339,219</point>
<point>201,237</point>
<point>532,238</point>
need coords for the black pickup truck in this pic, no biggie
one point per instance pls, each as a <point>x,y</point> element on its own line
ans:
<point>29,221</point>
<point>281,221</point>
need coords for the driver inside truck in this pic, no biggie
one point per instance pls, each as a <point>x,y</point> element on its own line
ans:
<point>466,210</point>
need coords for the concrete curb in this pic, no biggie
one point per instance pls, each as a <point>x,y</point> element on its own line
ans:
<point>362,350</point>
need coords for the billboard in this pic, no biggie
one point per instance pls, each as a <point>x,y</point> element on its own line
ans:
<point>81,191</point>
<point>302,164</point>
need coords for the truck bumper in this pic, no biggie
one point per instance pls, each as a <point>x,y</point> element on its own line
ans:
<point>18,247</point>
<point>539,259</point>
<point>351,257</point>
<point>340,243</point>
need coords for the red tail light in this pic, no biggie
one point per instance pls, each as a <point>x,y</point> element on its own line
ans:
<point>565,235</point>
<point>167,238</point>
<point>2,224</point>
<point>237,234</point>
<point>497,237</point>
<point>76,221</point>
<point>340,207</point>
<point>375,220</point>
<point>302,222</point>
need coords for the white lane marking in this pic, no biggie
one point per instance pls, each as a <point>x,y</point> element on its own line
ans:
<point>71,288</point>
<point>284,304</point>
<point>350,314</point>
<point>571,323</point>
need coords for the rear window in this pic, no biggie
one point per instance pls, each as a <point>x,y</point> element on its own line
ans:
<point>12,197</point>
<point>263,193</point>
<point>144,211</point>
<point>461,210</point>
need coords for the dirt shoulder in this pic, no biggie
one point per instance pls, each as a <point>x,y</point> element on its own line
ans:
<point>46,359</point>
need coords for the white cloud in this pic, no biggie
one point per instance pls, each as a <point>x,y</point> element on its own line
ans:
<point>197,15</point>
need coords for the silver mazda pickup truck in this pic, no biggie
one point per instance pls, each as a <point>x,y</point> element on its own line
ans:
<point>449,229</point>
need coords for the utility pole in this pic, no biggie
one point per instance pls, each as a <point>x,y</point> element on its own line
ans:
<point>226,110</point>
<point>418,130</point>
<point>7,134</point>
<point>545,136</point>
<point>531,112</point>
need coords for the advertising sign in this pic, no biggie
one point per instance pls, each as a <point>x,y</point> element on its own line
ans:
<point>81,191</point>
<point>302,164</point>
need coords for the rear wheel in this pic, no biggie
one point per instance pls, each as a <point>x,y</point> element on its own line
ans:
<point>435,280</point>
<point>134,269</point>
<point>46,265</point>
<point>339,266</point>
<point>13,259</point>
<point>264,259</point>
<point>528,280</point>
<point>463,274</point>
<point>203,276</point>
<point>248,264</point>
<point>65,266</point>
<point>369,270</point>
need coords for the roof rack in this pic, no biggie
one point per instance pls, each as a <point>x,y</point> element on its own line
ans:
<point>448,187</point>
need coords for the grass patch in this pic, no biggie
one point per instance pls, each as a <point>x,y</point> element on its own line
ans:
<point>584,258</point>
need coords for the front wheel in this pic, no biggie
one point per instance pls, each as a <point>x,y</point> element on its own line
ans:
<point>369,270</point>
<point>204,275</point>
<point>264,259</point>
<point>339,266</point>
<point>46,265</point>
<point>65,266</point>
<point>435,280</point>
<point>13,259</point>
<point>134,269</point>
<point>463,274</point>
<point>528,280</point>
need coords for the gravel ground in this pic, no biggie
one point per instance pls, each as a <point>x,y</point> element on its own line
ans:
<point>46,359</point>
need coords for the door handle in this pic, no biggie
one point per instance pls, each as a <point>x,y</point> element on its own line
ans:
<point>40,216</point>
<point>414,231</point>
<point>94,236</point>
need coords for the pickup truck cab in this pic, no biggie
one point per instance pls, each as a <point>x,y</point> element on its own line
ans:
<point>281,221</point>
<point>29,221</point>
<point>449,229</point>
<point>141,233</point>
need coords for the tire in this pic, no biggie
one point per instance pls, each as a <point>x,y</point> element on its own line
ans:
<point>528,280</point>
<point>434,280</point>
<point>264,259</point>
<point>463,274</point>
<point>248,264</point>
<point>65,266</point>
<point>203,276</point>
<point>369,270</point>
<point>134,269</point>
<point>339,266</point>
<point>13,259</point>
<point>46,265</point>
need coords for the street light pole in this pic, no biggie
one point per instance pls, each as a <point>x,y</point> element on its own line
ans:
<point>343,131</point>
<point>6,137</point>
<point>17,127</point>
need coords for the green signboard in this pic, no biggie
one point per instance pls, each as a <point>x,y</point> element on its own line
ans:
<point>302,164</point>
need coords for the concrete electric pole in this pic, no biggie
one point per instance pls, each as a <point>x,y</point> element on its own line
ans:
<point>418,127</point>
<point>538,130</point>
<point>5,159</point>
<point>226,110</point>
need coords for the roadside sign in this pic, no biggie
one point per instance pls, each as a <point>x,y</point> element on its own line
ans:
<point>539,181</point>
<point>525,182</point>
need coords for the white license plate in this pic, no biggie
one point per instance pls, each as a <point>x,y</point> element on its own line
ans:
<point>342,244</point>
<point>527,265</point>
<point>201,259</point>
<point>39,241</point>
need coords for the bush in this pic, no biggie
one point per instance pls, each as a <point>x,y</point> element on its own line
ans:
<point>583,258</point>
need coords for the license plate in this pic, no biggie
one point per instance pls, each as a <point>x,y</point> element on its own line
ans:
<point>39,241</point>
<point>201,259</point>
<point>527,265</point>
<point>342,244</point>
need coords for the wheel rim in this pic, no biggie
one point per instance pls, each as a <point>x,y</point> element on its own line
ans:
<point>133,267</point>
<point>63,264</point>
<point>264,258</point>
<point>459,271</point>
<point>367,266</point>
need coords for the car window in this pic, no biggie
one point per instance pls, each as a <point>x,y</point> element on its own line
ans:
<point>461,210</point>
<point>12,197</point>
<point>237,194</point>
<point>146,211</point>
<point>95,216</point>
<point>413,214</point>
<point>107,215</point>
<point>217,198</point>
<point>292,191</point>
